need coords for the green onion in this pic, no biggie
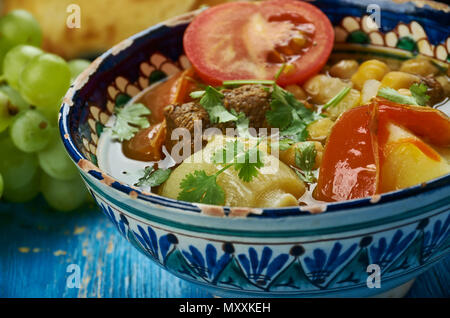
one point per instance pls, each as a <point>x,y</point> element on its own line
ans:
<point>337,99</point>
<point>197,94</point>
<point>278,74</point>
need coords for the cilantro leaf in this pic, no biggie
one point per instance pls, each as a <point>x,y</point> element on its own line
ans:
<point>419,91</point>
<point>129,120</point>
<point>202,188</point>
<point>285,144</point>
<point>211,101</point>
<point>153,178</point>
<point>305,159</point>
<point>248,164</point>
<point>289,114</point>
<point>242,125</point>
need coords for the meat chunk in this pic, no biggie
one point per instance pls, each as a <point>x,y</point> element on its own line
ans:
<point>184,116</point>
<point>435,90</point>
<point>252,100</point>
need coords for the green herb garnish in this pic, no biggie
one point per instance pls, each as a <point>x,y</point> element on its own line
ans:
<point>289,114</point>
<point>419,92</point>
<point>153,178</point>
<point>337,99</point>
<point>305,159</point>
<point>129,120</point>
<point>285,144</point>
<point>418,98</point>
<point>211,101</point>
<point>197,94</point>
<point>246,162</point>
<point>280,71</point>
<point>203,188</point>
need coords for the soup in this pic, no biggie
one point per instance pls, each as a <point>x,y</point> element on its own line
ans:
<point>266,117</point>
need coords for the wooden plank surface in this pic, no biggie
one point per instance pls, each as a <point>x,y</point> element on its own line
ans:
<point>37,245</point>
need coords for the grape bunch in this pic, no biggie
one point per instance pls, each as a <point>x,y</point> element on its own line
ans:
<point>32,84</point>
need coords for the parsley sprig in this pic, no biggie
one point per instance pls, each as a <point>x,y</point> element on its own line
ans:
<point>418,98</point>
<point>203,188</point>
<point>212,101</point>
<point>305,159</point>
<point>153,178</point>
<point>290,115</point>
<point>129,120</point>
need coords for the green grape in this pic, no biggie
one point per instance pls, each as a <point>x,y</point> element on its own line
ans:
<point>45,80</point>
<point>20,27</point>
<point>56,162</point>
<point>77,67</point>
<point>5,46</point>
<point>30,131</point>
<point>15,61</point>
<point>63,195</point>
<point>17,168</point>
<point>1,185</point>
<point>5,118</point>
<point>14,97</point>
<point>24,193</point>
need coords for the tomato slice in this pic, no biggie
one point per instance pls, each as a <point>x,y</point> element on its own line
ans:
<point>355,151</point>
<point>252,40</point>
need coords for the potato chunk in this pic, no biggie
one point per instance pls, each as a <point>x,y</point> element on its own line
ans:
<point>275,186</point>
<point>344,69</point>
<point>409,161</point>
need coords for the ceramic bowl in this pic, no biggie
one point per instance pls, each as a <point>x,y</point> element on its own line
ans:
<point>269,252</point>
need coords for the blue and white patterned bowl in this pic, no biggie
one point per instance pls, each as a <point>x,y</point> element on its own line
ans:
<point>268,252</point>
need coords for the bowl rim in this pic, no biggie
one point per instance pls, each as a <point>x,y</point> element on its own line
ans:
<point>94,171</point>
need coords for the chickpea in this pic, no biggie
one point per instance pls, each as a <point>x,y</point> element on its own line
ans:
<point>419,66</point>
<point>372,69</point>
<point>320,129</point>
<point>344,69</point>
<point>397,80</point>
<point>322,88</point>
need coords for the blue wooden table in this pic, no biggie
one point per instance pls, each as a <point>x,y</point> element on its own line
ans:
<point>38,247</point>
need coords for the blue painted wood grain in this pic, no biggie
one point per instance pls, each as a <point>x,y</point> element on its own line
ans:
<point>37,245</point>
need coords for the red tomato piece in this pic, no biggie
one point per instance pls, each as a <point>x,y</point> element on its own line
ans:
<point>252,40</point>
<point>354,152</point>
<point>349,165</point>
